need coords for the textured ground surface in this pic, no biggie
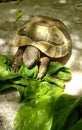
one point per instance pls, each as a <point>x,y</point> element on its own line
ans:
<point>70,12</point>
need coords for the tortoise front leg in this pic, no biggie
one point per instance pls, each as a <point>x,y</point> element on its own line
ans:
<point>31,56</point>
<point>17,59</point>
<point>43,67</point>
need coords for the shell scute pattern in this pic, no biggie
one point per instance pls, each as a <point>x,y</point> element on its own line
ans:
<point>49,35</point>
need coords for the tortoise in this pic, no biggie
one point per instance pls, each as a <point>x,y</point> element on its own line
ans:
<point>40,40</point>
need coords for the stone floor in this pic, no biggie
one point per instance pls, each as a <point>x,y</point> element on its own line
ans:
<point>12,15</point>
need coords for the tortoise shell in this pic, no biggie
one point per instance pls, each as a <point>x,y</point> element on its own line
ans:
<point>49,35</point>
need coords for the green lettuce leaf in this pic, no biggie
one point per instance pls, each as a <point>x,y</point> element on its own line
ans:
<point>53,111</point>
<point>27,77</point>
<point>55,69</point>
<point>77,125</point>
<point>45,107</point>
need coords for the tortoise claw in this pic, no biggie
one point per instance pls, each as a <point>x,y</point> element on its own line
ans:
<point>43,67</point>
<point>15,68</point>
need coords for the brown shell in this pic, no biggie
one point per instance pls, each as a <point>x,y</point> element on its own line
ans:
<point>49,35</point>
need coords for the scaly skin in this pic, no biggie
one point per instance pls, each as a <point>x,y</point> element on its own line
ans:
<point>43,67</point>
<point>30,55</point>
<point>17,59</point>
